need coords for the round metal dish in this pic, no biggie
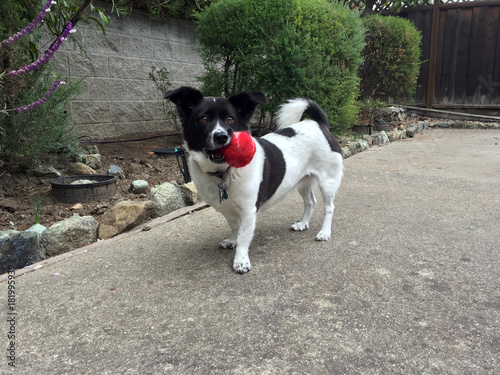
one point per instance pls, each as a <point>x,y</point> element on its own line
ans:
<point>103,187</point>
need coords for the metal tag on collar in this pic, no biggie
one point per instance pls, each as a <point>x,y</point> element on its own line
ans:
<point>222,191</point>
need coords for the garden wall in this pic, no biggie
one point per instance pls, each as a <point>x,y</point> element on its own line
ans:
<point>119,99</point>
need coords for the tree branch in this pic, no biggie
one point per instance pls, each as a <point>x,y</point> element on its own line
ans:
<point>78,15</point>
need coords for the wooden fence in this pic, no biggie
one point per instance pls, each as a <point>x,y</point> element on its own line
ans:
<point>461,49</point>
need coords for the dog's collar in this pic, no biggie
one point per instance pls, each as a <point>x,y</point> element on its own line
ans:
<point>221,185</point>
<point>219,174</point>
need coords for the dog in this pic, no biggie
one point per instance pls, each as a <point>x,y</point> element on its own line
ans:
<point>298,156</point>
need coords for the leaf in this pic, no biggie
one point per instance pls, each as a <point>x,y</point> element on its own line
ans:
<point>98,23</point>
<point>105,18</point>
<point>36,35</point>
<point>33,50</point>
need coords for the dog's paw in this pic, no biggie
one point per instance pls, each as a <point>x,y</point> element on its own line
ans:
<point>323,235</point>
<point>228,244</point>
<point>299,226</point>
<point>242,266</point>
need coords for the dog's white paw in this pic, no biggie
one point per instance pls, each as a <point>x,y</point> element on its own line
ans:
<point>228,244</point>
<point>299,226</point>
<point>242,265</point>
<point>323,235</point>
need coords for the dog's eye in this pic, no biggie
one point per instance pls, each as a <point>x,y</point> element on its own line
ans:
<point>203,119</point>
<point>229,119</point>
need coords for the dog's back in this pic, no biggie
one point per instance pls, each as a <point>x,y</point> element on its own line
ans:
<point>307,149</point>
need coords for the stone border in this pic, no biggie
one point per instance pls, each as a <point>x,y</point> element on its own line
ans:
<point>381,138</point>
<point>96,245</point>
<point>462,124</point>
<point>404,132</point>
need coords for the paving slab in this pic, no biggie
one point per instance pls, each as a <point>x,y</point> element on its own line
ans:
<point>408,284</point>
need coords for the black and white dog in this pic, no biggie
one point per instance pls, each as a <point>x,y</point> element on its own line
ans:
<point>296,156</point>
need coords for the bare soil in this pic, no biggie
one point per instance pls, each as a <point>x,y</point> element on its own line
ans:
<point>135,158</point>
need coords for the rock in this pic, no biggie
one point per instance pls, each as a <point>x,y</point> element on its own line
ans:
<point>421,125</point>
<point>77,206</point>
<point>375,139</point>
<point>353,147</point>
<point>38,228</point>
<point>83,181</point>
<point>116,171</point>
<point>44,171</point>
<point>380,138</point>
<point>397,135</point>
<point>384,137</point>
<point>69,234</point>
<point>124,216</point>
<point>362,145</point>
<point>368,139</point>
<point>167,197</point>
<point>92,160</point>
<point>346,152</point>
<point>139,187</point>
<point>81,169</point>
<point>76,156</point>
<point>189,193</point>
<point>385,116</point>
<point>19,249</point>
<point>91,150</point>
<point>391,114</point>
<point>411,130</point>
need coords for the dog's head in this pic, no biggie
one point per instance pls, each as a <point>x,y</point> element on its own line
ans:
<point>209,123</point>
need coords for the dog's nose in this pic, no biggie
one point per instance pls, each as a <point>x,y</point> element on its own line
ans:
<point>221,138</point>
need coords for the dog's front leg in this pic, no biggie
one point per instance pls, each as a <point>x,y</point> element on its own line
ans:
<point>230,243</point>
<point>246,229</point>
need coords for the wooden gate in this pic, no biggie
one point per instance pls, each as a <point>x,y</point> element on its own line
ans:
<point>461,49</point>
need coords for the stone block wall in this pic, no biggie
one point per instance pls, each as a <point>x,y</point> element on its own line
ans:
<point>119,99</point>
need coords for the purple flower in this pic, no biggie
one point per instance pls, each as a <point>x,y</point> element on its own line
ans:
<point>39,102</point>
<point>45,58</point>
<point>30,27</point>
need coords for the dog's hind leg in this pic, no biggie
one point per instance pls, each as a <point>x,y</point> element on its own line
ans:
<point>328,190</point>
<point>305,189</point>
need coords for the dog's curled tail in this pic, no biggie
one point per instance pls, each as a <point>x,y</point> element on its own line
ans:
<point>292,111</point>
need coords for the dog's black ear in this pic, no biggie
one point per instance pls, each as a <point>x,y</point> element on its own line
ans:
<point>185,98</point>
<point>246,102</point>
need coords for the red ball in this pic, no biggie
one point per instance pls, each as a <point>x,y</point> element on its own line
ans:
<point>240,151</point>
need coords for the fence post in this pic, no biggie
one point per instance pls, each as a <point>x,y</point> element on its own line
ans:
<point>431,81</point>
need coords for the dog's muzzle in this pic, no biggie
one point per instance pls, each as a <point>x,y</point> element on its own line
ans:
<point>219,140</point>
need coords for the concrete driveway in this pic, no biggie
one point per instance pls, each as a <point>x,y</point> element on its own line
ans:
<point>409,283</point>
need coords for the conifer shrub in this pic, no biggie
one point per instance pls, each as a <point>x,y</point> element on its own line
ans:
<point>285,48</point>
<point>391,58</point>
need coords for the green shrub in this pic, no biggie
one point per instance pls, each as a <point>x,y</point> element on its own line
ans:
<point>285,48</point>
<point>34,122</point>
<point>392,58</point>
<point>35,135</point>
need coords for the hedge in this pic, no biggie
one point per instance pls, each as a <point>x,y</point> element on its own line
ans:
<point>285,48</point>
<point>391,58</point>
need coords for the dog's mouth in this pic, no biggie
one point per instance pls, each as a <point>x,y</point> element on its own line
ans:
<point>215,156</point>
